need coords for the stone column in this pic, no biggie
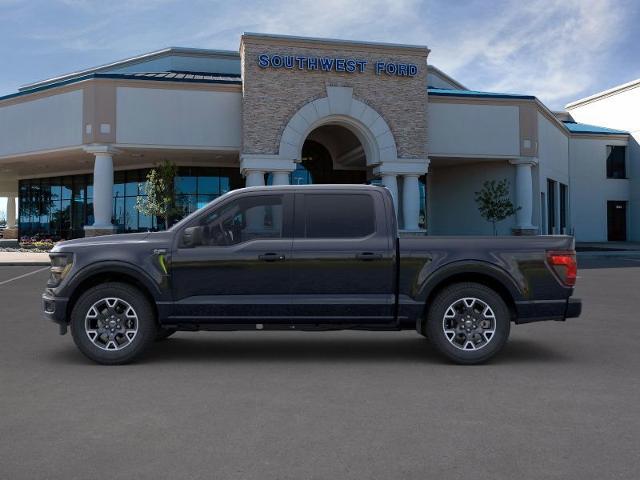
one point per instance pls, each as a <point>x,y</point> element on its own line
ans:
<point>524,195</point>
<point>410,170</point>
<point>11,232</point>
<point>390,180</point>
<point>280,178</point>
<point>11,212</point>
<point>254,178</point>
<point>102,191</point>
<point>410,202</point>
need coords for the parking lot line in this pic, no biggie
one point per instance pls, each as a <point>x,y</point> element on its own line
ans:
<point>23,275</point>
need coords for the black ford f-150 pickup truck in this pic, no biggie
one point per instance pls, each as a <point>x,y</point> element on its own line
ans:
<point>319,257</point>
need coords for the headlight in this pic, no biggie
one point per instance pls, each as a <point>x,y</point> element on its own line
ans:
<point>61,264</point>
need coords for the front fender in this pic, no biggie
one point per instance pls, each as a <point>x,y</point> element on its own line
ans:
<point>152,279</point>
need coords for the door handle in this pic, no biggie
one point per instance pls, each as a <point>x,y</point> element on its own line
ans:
<point>367,256</point>
<point>271,257</point>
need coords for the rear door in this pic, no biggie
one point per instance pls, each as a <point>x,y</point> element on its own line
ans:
<point>342,267</point>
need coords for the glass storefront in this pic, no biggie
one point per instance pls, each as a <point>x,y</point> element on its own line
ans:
<point>60,207</point>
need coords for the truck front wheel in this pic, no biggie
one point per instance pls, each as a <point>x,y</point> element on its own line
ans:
<point>113,323</point>
<point>468,323</point>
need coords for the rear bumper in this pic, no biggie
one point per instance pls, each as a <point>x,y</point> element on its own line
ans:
<point>574,308</point>
<point>544,310</point>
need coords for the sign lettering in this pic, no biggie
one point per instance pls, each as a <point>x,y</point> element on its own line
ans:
<point>331,64</point>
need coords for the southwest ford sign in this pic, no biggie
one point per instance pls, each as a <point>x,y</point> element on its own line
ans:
<point>334,64</point>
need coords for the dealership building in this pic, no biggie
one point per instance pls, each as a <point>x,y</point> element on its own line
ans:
<point>74,150</point>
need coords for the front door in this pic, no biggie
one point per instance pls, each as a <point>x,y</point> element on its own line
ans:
<point>343,258</point>
<point>617,221</point>
<point>239,270</point>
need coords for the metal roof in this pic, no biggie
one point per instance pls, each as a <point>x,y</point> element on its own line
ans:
<point>575,127</point>
<point>176,75</point>
<point>445,92</point>
<point>186,77</point>
<point>131,61</point>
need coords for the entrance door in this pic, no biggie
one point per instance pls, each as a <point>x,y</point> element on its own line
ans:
<point>617,221</point>
<point>238,272</point>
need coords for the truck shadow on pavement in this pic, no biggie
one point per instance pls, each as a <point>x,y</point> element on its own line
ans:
<point>199,348</point>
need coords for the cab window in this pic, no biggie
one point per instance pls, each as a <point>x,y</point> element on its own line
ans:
<point>245,219</point>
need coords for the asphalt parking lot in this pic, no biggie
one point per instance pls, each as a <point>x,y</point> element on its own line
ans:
<point>562,400</point>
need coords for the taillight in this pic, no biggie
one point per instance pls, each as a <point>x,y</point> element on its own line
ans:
<point>565,266</point>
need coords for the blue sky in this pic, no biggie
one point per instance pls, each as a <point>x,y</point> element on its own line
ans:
<point>557,50</point>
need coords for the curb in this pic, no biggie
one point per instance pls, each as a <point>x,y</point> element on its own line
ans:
<point>610,253</point>
<point>24,264</point>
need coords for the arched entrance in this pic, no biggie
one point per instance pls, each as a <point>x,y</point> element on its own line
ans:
<point>339,139</point>
<point>331,154</point>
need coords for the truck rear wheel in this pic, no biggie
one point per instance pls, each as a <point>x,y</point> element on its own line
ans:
<point>468,323</point>
<point>113,323</point>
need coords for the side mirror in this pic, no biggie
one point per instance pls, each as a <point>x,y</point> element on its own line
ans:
<point>192,237</point>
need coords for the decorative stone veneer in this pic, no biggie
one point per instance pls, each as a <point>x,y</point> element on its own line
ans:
<point>272,96</point>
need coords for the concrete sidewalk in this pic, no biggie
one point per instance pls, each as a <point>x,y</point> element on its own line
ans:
<point>607,246</point>
<point>24,258</point>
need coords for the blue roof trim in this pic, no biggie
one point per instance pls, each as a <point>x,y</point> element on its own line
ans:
<point>226,79</point>
<point>575,127</point>
<point>445,92</point>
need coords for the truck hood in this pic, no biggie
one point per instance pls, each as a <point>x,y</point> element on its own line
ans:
<point>107,240</point>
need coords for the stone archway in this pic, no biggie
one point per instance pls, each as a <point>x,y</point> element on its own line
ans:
<point>340,108</point>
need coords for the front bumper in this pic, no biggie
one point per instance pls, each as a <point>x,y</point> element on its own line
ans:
<point>55,310</point>
<point>540,311</point>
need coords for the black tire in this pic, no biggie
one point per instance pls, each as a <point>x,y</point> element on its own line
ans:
<point>142,309</point>
<point>456,349</point>
<point>164,333</point>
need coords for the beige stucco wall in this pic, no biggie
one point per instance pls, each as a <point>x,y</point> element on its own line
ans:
<point>453,209</point>
<point>470,129</point>
<point>50,122</point>
<point>272,96</point>
<point>178,117</point>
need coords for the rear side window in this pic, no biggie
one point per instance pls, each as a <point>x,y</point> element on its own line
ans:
<point>338,215</point>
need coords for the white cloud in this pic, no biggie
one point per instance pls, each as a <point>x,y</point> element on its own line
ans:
<point>553,49</point>
<point>548,48</point>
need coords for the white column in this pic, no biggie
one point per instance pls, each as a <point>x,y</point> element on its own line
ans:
<point>280,178</point>
<point>524,192</point>
<point>102,189</point>
<point>254,178</point>
<point>410,202</point>
<point>410,169</point>
<point>11,212</point>
<point>390,181</point>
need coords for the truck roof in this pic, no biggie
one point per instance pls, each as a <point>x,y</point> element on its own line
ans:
<point>324,186</point>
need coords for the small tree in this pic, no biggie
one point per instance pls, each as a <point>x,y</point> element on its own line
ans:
<point>494,203</point>
<point>160,199</point>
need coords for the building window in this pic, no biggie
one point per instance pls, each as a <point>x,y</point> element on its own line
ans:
<point>616,161</point>
<point>60,207</point>
<point>551,206</point>
<point>563,207</point>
